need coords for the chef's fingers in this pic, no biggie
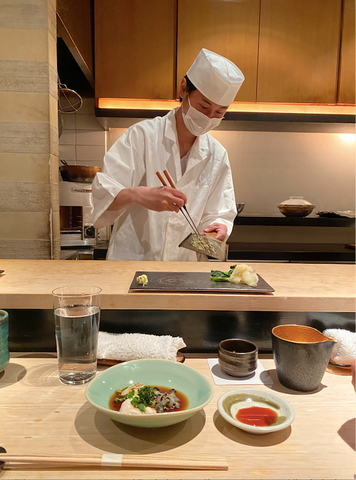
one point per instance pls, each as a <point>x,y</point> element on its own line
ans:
<point>174,207</point>
<point>219,228</point>
<point>179,198</point>
<point>173,196</point>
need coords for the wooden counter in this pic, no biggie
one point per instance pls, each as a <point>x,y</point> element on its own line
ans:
<point>39,415</point>
<point>27,284</point>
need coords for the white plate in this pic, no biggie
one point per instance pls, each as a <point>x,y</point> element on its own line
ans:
<point>231,402</point>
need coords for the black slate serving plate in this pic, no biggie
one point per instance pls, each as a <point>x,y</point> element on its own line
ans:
<point>193,282</point>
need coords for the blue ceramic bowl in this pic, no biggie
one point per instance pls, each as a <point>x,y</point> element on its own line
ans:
<point>4,335</point>
<point>165,373</point>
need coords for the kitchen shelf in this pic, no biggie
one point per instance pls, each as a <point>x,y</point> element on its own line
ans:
<point>281,221</point>
<point>288,252</point>
<point>293,252</point>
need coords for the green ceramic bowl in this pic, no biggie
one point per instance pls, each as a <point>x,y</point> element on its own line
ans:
<point>4,335</point>
<point>165,373</point>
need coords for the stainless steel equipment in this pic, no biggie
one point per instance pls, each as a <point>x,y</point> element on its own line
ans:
<point>240,207</point>
<point>207,245</point>
<point>76,217</point>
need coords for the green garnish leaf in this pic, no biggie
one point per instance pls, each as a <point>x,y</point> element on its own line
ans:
<point>135,400</point>
<point>147,395</point>
<point>219,276</point>
<point>130,394</point>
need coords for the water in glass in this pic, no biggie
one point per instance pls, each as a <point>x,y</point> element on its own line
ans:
<point>77,329</point>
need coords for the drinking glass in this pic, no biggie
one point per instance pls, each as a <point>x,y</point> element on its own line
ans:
<point>4,334</point>
<point>77,318</point>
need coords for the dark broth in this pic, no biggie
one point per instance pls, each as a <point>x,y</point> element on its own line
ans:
<point>257,416</point>
<point>183,400</point>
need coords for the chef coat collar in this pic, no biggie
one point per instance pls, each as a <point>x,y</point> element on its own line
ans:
<point>170,131</point>
<point>200,148</point>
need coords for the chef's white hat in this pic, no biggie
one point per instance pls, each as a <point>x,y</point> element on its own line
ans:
<point>216,77</point>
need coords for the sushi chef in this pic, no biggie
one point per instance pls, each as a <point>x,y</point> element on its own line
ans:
<point>147,222</point>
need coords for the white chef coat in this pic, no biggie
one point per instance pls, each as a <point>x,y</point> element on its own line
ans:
<point>145,148</point>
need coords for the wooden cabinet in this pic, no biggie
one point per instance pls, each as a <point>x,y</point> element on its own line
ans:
<point>290,51</point>
<point>346,92</point>
<point>227,28</point>
<point>74,25</point>
<point>298,52</point>
<point>135,43</point>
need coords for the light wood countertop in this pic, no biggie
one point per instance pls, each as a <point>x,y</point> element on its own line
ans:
<point>41,416</point>
<point>298,287</point>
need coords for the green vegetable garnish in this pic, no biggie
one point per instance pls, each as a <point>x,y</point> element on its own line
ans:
<point>219,276</point>
<point>143,399</point>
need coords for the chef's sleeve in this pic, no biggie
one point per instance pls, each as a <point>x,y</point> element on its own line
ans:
<point>221,205</point>
<point>123,168</point>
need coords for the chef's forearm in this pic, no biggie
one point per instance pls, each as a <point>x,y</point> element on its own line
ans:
<point>129,196</point>
<point>124,199</point>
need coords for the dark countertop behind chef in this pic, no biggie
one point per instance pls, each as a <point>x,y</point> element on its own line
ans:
<point>288,252</point>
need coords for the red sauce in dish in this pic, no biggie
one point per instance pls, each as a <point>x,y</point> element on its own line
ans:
<point>183,400</point>
<point>257,416</point>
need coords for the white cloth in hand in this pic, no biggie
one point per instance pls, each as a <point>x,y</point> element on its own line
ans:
<point>344,351</point>
<point>133,346</point>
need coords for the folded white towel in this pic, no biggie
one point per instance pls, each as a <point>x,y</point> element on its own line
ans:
<point>344,351</point>
<point>133,346</point>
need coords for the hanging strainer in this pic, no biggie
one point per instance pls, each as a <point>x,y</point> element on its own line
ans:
<point>69,101</point>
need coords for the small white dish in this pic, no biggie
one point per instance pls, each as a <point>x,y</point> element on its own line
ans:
<point>231,402</point>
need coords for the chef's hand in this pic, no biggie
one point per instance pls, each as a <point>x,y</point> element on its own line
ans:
<point>219,228</point>
<point>160,199</point>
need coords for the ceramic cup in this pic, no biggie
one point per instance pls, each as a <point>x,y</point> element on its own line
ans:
<point>237,357</point>
<point>4,335</point>
<point>301,355</point>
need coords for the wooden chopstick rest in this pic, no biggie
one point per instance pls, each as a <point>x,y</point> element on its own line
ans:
<point>118,460</point>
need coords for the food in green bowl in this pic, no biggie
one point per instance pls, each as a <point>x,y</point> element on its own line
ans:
<point>194,391</point>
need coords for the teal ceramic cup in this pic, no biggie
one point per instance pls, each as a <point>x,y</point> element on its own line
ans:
<point>4,336</point>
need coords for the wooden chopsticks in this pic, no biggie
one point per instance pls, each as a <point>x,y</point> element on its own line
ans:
<point>185,211</point>
<point>115,460</point>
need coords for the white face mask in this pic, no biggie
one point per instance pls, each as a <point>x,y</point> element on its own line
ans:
<point>198,123</point>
